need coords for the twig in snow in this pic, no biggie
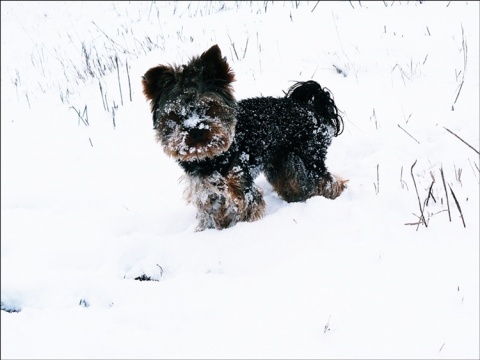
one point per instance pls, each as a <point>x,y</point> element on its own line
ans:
<point>233,46</point>
<point>458,174</point>
<point>423,209</point>
<point>473,170</point>
<point>408,133</point>
<point>458,206</point>
<point>327,325</point>
<point>339,70</point>
<point>458,137</point>
<point>129,85</point>
<point>422,217</point>
<point>246,46</point>
<point>374,116</point>
<point>83,117</point>
<point>125,51</point>
<point>430,195</point>
<point>119,84</point>
<point>114,107</point>
<point>105,107</point>
<point>446,194</point>
<point>402,182</point>
<point>409,116</point>
<point>341,45</point>
<point>416,223</point>
<point>161,270</point>
<point>464,47</point>
<point>426,57</point>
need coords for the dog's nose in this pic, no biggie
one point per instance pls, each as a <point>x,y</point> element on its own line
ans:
<point>197,135</point>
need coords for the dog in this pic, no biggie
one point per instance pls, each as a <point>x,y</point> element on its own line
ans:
<point>223,144</point>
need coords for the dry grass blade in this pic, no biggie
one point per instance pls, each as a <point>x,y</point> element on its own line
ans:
<point>458,137</point>
<point>422,217</point>
<point>465,57</point>
<point>446,194</point>
<point>119,83</point>
<point>129,84</point>
<point>458,206</point>
<point>430,195</point>
<point>406,132</point>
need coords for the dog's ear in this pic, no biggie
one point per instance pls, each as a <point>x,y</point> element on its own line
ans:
<point>216,66</point>
<point>156,80</point>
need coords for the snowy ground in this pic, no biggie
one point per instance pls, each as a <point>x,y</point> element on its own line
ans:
<point>89,201</point>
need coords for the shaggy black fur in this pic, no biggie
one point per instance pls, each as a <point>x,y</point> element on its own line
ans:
<point>223,145</point>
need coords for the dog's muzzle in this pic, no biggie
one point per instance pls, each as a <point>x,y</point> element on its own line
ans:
<point>196,137</point>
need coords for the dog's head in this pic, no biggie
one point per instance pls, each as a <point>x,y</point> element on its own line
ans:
<point>193,106</point>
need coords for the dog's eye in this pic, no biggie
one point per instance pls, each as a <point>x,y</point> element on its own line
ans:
<point>211,112</point>
<point>174,117</point>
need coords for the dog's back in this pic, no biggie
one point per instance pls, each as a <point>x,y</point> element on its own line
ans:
<point>268,126</point>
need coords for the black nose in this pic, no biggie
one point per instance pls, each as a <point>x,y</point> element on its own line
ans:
<point>197,135</point>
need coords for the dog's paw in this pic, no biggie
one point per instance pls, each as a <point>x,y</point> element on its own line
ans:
<point>331,189</point>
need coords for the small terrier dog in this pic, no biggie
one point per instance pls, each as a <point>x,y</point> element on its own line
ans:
<point>223,145</point>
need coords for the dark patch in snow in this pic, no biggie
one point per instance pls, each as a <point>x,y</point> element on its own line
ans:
<point>9,308</point>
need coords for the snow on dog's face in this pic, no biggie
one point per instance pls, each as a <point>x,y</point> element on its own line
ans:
<point>193,106</point>
<point>203,128</point>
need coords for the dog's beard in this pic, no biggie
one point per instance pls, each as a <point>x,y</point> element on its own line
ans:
<point>205,141</point>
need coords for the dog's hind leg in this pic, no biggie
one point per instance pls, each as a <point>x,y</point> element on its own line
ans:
<point>289,178</point>
<point>293,181</point>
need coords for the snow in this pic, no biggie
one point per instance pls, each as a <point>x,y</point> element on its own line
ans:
<point>89,201</point>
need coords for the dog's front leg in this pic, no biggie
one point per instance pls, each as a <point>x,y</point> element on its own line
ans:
<point>222,201</point>
<point>216,206</point>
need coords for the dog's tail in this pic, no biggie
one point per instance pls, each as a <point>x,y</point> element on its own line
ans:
<point>310,92</point>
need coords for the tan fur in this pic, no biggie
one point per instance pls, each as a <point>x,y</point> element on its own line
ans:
<point>220,201</point>
<point>332,189</point>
